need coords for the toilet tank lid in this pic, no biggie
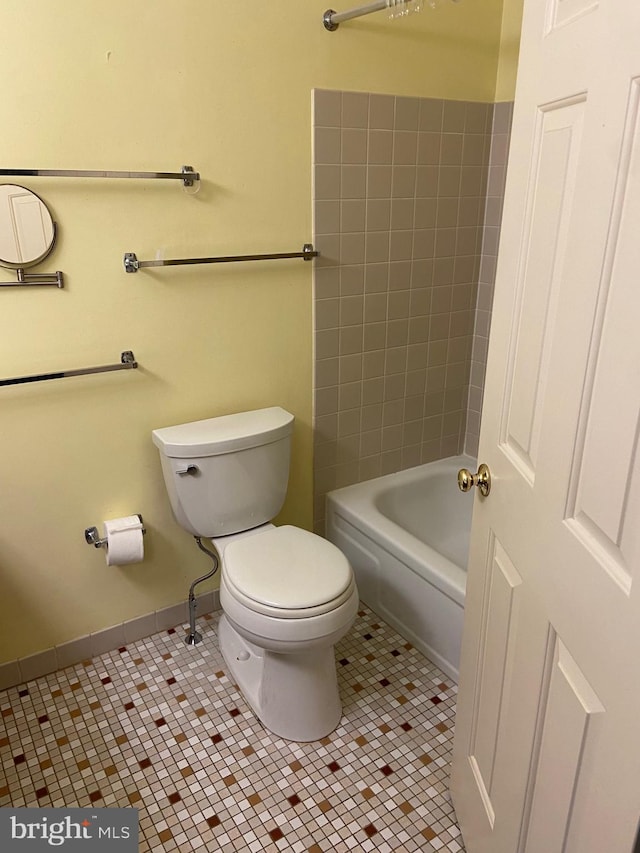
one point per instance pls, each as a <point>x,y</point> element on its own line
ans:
<point>225,434</point>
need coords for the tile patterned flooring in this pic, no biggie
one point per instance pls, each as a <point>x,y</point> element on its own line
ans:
<point>159,726</point>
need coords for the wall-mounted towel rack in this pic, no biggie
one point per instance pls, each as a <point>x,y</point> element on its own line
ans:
<point>132,264</point>
<point>188,175</point>
<point>127,362</point>
<point>31,278</point>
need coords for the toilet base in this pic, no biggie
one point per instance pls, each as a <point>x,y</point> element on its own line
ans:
<point>295,696</point>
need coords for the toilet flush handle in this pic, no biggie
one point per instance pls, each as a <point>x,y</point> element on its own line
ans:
<point>190,469</point>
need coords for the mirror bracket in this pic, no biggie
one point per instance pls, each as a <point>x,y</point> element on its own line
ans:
<point>28,278</point>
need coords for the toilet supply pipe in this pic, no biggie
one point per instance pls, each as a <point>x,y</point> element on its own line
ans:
<point>194,637</point>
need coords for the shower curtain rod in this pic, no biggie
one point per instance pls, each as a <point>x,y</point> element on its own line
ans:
<point>331,19</point>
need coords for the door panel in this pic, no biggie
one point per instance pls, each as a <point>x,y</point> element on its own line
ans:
<point>562,12</point>
<point>500,619</point>
<point>570,712</point>
<point>606,522</point>
<point>556,149</point>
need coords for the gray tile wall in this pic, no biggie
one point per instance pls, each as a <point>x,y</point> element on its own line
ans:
<point>399,205</point>
<point>502,115</point>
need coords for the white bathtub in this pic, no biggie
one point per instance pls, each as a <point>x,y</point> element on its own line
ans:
<point>407,537</point>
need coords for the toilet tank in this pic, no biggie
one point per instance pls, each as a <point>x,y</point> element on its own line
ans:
<point>227,474</point>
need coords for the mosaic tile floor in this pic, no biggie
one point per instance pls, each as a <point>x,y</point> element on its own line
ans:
<point>159,726</point>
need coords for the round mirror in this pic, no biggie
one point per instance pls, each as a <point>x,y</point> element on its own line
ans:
<point>27,230</point>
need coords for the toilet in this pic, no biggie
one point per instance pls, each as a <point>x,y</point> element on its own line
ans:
<point>287,595</point>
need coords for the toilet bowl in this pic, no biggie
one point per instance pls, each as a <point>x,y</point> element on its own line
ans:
<point>280,625</point>
<point>287,595</point>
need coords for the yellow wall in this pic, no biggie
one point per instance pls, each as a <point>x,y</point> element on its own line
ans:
<point>134,85</point>
<point>509,50</point>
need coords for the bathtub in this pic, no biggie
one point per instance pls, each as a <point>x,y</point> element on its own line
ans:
<point>407,538</point>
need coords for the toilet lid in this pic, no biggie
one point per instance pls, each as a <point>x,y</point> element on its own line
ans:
<point>287,568</point>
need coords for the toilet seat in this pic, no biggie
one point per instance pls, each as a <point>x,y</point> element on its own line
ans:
<point>287,572</point>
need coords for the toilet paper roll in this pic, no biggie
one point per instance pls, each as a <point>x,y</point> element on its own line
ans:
<point>124,540</point>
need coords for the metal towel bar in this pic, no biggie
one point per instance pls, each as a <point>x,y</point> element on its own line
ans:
<point>127,362</point>
<point>132,264</point>
<point>188,175</point>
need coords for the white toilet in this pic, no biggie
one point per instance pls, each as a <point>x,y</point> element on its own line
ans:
<point>287,595</point>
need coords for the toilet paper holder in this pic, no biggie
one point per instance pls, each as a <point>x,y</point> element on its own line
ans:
<point>92,537</point>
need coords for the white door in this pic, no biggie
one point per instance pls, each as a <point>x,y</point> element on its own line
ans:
<point>547,747</point>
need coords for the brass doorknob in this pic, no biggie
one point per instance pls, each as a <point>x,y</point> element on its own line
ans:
<point>467,480</point>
